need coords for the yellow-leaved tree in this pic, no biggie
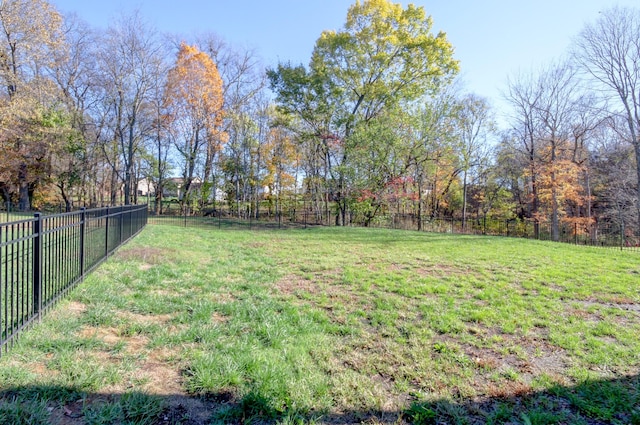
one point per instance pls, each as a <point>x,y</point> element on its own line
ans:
<point>194,101</point>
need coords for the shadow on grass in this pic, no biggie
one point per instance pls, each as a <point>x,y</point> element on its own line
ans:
<point>615,401</point>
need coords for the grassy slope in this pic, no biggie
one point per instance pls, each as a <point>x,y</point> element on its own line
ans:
<point>340,325</point>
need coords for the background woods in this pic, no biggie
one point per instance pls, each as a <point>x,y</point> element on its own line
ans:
<point>376,124</point>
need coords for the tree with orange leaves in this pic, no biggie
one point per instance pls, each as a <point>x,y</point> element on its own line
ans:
<point>194,103</point>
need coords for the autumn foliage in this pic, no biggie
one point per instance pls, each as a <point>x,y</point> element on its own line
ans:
<point>374,126</point>
<point>194,102</point>
<point>194,90</point>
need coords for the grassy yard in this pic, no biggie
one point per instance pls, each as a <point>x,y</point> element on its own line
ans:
<point>328,325</point>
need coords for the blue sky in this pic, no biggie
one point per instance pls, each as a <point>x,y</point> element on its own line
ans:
<point>492,38</point>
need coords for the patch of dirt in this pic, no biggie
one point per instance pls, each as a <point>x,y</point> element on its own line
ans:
<point>629,307</point>
<point>41,369</point>
<point>164,293</point>
<point>148,256</point>
<point>624,304</point>
<point>185,411</point>
<point>68,414</point>
<point>442,270</point>
<point>145,319</point>
<point>179,409</point>
<point>551,362</point>
<point>136,343</point>
<point>222,297</point>
<point>157,369</point>
<point>219,318</point>
<point>534,356</point>
<point>109,336</point>
<point>291,285</point>
<point>393,267</point>
<point>581,314</point>
<point>161,377</point>
<point>508,389</point>
<point>76,308</point>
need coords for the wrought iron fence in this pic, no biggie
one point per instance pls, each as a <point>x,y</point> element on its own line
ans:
<point>43,257</point>
<point>609,235</point>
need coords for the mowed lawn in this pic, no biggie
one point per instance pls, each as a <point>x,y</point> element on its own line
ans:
<point>332,325</point>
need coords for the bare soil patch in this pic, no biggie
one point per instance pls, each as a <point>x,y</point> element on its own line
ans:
<point>147,256</point>
<point>292,285</point>
<point>76,308</point>
<point>109,336</point>
<point>145,319</point>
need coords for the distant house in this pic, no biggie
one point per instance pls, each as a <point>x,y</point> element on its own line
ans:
<point>173,187</point>
<point>146,187</point>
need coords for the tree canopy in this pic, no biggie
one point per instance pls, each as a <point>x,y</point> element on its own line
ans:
<point>375,125</point>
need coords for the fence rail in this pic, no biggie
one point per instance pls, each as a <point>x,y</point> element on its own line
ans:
<point>43,257</point>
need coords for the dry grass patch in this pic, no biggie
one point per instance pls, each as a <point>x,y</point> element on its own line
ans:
<point>145,319</point>
<point>146,256</point>
<point>296,285</point>
<point>75,308</point>
<point>110,336</point>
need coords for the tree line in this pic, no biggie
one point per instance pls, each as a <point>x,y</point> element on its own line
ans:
<point>377,123</point>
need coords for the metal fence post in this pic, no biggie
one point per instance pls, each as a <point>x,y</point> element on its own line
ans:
<point>37,265</point>
<point>83,217</point>
<point>106,233</point>
<point>120,219</point>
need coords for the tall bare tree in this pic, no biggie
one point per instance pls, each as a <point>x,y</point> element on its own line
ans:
<point>552,124</point>
<point>523,96</point>
<point>609,50</point>
<point>74,72</point>
<point>475,123</point>
<point>128,59</point>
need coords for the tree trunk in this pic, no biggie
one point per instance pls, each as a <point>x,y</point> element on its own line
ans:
<point>158,200</point>
<point>114,188</point>
<point>555,224</point>
<point>24,202</point>
<point>534,204</point>
<point>464,201</point>
<point>636,147</point>
<point>127,188</point>
<point>419,204</point>
<point>68,205</point>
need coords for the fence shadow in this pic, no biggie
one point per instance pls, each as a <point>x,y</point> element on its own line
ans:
<point>614,401</point>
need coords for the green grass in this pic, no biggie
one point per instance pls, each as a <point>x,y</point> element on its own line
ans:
<point>337,325</point>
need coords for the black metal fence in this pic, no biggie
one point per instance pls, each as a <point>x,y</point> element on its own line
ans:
<point>609,235</point>
<point>43,257</point>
